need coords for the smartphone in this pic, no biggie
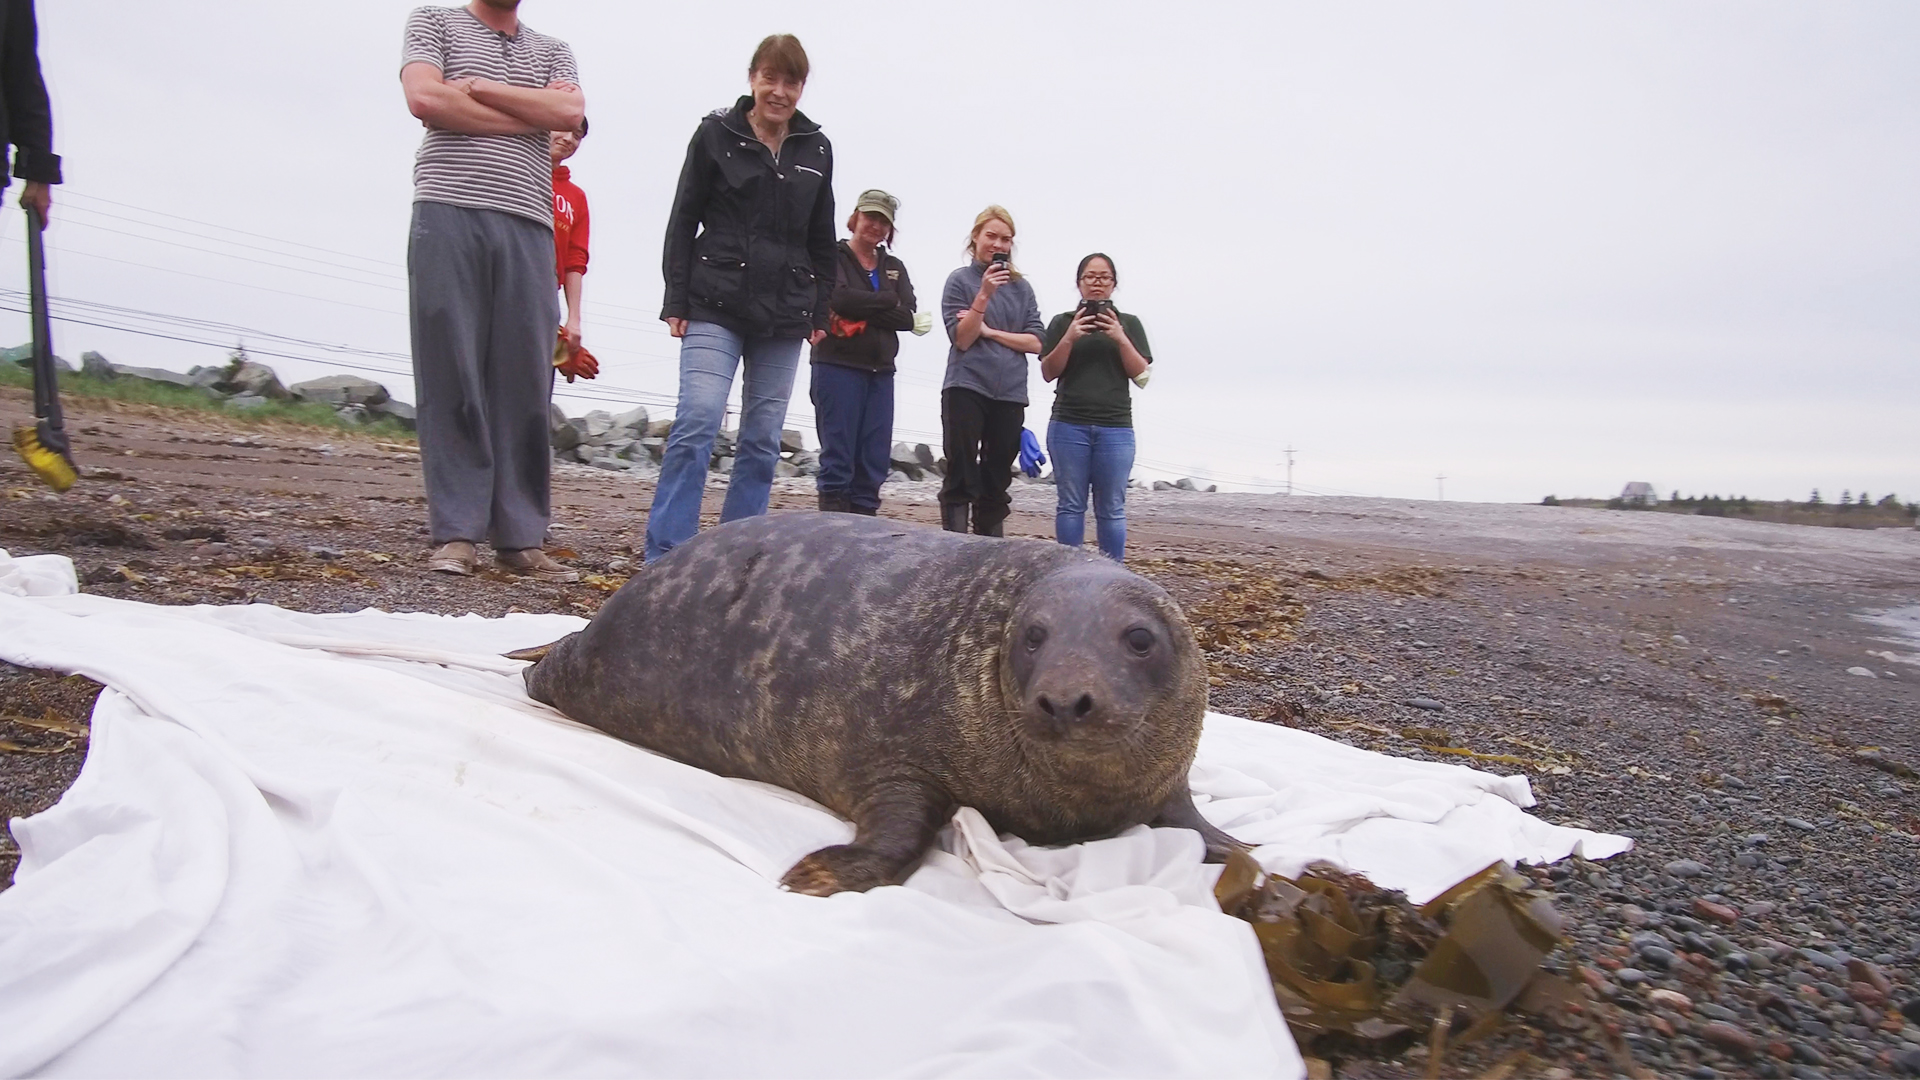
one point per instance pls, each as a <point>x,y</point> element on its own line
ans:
<point>1095,308</point>
<point>1001,258</point>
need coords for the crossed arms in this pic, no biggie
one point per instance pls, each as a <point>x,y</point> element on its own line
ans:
<point>485,107</point>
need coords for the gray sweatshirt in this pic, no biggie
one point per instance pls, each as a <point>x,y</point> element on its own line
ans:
<point>989,368</point>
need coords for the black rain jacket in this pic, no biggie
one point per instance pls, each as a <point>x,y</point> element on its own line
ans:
<point>750,242</point>
<point>26,120</point>
<point>885,312</point>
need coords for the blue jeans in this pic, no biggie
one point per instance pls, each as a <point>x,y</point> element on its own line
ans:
<point>1087,455</point>
<point>853,412</point>
<point>708,355</point>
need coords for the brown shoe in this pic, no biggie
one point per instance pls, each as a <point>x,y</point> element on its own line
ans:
<point>452,558</point>
<point>536,564</point>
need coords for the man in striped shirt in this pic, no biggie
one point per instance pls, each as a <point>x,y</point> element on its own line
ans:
<point>479,266</point>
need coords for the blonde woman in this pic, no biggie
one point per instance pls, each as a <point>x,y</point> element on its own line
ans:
<point>994,323</point>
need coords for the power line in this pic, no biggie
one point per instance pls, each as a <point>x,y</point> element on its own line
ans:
<point>643,327</point>
<point>68,194</point>
<point>241,258</point>
<point>217,280</point>
<point>222,240</point>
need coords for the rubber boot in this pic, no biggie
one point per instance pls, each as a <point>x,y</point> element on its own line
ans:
<point>835,502</point>
<point>953,517</point>
<point>867,511</point>
<point>989,528</point>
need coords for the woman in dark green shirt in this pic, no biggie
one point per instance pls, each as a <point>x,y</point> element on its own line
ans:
<point>1093,351</point>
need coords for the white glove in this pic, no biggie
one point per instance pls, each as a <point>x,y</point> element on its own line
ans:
<point>922,323</point>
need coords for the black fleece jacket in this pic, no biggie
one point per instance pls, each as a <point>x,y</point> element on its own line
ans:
<point>886,311</point>
<point>26,120</point>
<point>750,239</point>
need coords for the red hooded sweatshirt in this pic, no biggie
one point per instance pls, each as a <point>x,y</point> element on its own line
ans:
<point>569,226</point>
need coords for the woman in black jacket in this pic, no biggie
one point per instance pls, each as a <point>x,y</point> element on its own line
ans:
<point>749,264</point>
<point>872,301</point>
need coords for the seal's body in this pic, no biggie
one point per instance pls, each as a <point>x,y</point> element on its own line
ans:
<point>894,672</point>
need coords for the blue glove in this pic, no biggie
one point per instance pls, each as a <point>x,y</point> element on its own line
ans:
<point>1030,456</point>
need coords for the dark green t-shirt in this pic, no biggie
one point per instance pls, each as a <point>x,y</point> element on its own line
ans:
<point>1094,388</point>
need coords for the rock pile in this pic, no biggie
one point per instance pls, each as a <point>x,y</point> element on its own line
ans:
<point>244,384</point>
<point>631,439</point>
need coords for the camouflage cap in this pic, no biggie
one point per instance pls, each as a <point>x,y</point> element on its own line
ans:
<point>875,201</point>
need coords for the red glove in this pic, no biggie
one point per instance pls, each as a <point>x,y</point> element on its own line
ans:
<point>845,328</point>
<point>571,360</point>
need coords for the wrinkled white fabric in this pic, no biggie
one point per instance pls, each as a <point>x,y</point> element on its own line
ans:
<point>350,845</point>
<point>36,575</point>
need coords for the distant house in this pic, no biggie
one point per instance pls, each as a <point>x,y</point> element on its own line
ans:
<point>1639,493</point>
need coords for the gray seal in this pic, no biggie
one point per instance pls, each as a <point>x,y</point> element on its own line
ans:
<point>894,673</point>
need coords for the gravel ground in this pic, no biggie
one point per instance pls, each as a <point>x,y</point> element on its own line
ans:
<point>1682,680</point>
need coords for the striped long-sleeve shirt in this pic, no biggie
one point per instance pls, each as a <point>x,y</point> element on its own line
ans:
<point>512,173</point>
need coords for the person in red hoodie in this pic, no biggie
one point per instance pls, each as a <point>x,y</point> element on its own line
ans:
<point>571,229</point>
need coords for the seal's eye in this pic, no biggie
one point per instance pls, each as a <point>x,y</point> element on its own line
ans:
<point>1036,636</point>
<point>1140,639</point>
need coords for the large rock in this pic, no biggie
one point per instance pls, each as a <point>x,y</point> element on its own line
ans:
<point>96,365</point>
<point>599,423</point>
<point>397,410</point>
<point>23,355</point>
<point>792,441</point>
<point>247,377</point>
<point>631,424</point>
<point>564,435</point>
<point>1162,485</point>
<point>206,378</point>
<point>340,390</point>
<point>658,429</point>
<point>923,455</point>
<point>150,374</point>
<point>1186,483</point>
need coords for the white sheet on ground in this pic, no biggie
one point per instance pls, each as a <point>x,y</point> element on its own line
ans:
<point>350,845</point>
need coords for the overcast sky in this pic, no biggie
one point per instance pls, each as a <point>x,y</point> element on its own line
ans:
<point>1535,248</point>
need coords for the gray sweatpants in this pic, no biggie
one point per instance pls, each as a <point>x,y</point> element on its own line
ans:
<point>484,318</point>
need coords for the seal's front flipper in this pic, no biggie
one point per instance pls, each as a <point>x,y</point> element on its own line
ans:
<point>893,829</point>
<point>535,654</point>
<point>1179,812</point>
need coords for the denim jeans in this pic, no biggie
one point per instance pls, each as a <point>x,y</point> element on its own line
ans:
<point>1087,455</point>
<point>853,412</point>
<point>708,355</point>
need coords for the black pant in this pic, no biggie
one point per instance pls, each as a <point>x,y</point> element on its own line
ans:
<point>981,438</point>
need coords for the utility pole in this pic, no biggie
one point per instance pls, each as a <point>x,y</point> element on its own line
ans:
<point>1289,468</point>
<point>1442,482</point>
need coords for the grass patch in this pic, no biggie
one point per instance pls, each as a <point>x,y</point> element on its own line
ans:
<point>82,387</point>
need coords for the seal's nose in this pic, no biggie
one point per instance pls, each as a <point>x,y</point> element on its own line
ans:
<point>1080,709</point>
